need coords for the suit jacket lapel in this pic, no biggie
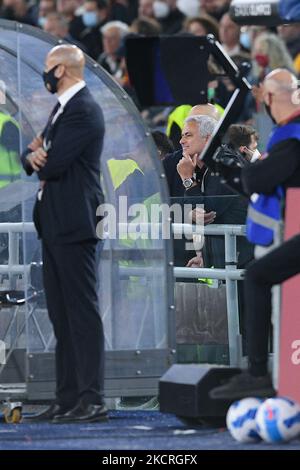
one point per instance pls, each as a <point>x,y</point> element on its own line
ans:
<point>50,130</point>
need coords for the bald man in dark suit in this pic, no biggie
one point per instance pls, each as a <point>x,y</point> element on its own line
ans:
<point>66,158</point>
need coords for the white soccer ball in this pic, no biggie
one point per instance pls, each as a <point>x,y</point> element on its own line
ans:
<point>278,420</point>
<point>240,419</point>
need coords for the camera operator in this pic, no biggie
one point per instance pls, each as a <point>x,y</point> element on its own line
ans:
<point>281,167</point>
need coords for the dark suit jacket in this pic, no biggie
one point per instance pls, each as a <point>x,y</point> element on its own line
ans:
<point>72,193</point>
<point>174,181</point>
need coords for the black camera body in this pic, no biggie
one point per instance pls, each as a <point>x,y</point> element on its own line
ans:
<point>229,157</point>
<point>229,163</point>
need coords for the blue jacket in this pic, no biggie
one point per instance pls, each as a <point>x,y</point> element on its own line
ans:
<point>289,10</point>
<point>264,211</point>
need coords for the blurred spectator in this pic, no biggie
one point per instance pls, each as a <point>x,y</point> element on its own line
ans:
<point>166,13</point>
<point>230,36</point>
<point>145,8</point>
<point>268,53</point>
<point>163,143</point>
<point>86,28</point>
<point>249,33</point>
<point>45,7</point>
<point>215,8</point>
<point>68,8</point>
<point>169,16</point>
<point>113,33</point>
<point>201,26</point>
<point>132,6</point>
<point>190,8</point>
<point>19,10</point>
<point>119,10</point>
<point>57,25</point>
<point>145,26</point>
<point>290,34</point>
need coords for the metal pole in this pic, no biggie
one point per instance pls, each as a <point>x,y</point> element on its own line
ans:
<point>232,301</point>
<point>13,258</point>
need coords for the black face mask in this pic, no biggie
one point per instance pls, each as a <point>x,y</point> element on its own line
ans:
<point>50,81</point>
<point>268,111</point>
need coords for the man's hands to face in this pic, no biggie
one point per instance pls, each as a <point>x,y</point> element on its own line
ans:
<point>192,145</point>
<point>187,165</point>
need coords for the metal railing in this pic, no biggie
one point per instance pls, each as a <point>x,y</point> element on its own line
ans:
<point>230,274</point>
<point>13,268</point>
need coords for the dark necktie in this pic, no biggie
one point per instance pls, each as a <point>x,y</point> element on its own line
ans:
<point>54,111</point>
<point>48,125</point>
<point>46,135</point>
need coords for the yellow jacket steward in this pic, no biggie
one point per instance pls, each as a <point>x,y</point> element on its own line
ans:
<point>10,167</point>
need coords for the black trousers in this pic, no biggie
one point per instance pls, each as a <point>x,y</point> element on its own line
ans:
<point>70,280</point>
<point>273,268</point>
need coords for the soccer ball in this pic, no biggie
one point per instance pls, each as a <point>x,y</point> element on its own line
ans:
<point>240,419</point>
<point>278,420</point>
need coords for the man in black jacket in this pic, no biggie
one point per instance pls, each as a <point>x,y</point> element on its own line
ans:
<point>221,205</point>
<point>281,167</point>
<point>176,187</point>
<point>66,158</point>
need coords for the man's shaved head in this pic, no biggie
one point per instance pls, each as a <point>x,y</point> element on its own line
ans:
<point>70,56</point>
<point>205,110</point>
<point>280,81</point>
<point>281,94</point>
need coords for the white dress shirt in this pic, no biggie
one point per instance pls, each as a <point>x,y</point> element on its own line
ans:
<point>66,96</point>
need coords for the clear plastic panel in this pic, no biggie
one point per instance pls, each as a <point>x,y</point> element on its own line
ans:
<point>202,319</point>
<point>133,272</point>
<point>12,318</point>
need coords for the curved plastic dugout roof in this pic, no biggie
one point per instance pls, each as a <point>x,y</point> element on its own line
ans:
<point>22,54</point>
